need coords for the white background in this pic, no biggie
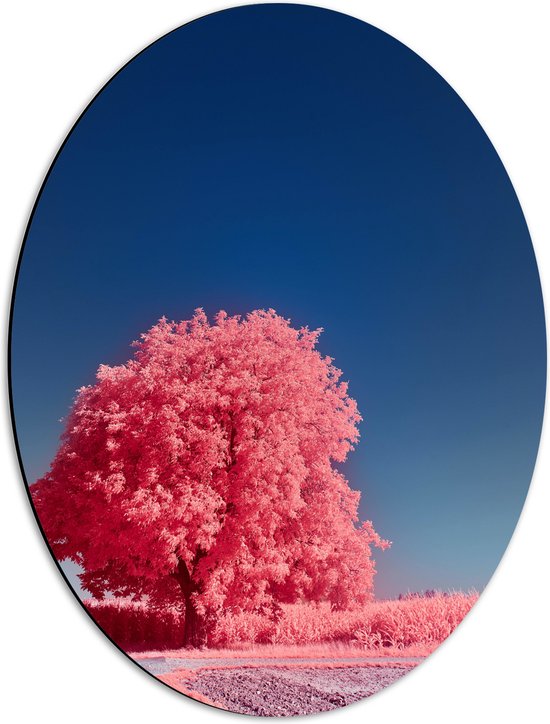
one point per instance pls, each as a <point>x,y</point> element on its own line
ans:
<point>55,56</point>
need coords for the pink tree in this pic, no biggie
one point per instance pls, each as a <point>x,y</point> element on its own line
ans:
<point>203,469</point>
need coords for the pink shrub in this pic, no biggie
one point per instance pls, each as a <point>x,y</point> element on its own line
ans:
<point>313,624</point>
<point>414,621</point>
<point>242,628</point>
<point>136,626</point>
<point>398,624</point>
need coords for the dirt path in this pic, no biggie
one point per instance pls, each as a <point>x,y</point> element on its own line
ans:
<point>278,687</point>
<point>163,664</point>
<point>275,691</point>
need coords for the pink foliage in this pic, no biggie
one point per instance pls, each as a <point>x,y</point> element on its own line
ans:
<point>379,624</point>
<point>136,625</point>
<point>416,620</point>
<point>203,470</point>
<point>417,623</point>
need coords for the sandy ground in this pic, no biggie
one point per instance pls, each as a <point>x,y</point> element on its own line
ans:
<point>278,687</point>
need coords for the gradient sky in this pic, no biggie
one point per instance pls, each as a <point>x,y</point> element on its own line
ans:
<point>291,157</point>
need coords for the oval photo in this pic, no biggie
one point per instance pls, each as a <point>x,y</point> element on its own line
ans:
<point>277,360</point>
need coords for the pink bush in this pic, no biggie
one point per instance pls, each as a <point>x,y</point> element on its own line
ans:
<point>136,626</point>
<point>398,624</point>
<point>414,621</point>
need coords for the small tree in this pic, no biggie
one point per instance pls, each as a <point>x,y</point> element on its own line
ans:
<point>203,469</point>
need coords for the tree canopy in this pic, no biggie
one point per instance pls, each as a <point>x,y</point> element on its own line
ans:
<point>206,468</point>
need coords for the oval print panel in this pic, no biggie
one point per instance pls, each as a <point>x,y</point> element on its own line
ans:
<point>297,481</point>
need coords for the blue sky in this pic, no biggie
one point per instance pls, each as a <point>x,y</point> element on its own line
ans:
<point>295,158</point>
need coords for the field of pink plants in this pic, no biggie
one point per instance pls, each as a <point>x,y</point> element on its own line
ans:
<point>415,623</point>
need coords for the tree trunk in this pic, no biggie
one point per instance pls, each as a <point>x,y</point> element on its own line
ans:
<point>195,631</point>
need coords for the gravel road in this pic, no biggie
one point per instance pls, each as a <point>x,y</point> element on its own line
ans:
<point>255,686</point>
<point>274,691</point>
